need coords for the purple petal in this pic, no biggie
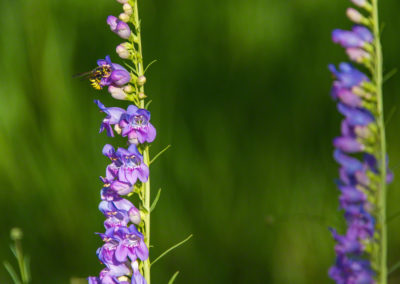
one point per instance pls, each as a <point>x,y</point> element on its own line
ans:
<point>121,253</point>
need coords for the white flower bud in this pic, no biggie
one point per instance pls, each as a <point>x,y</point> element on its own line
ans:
<point>141,80</point>
<point>142,96</point>
<point>117,93</point>
<point>124,17</point>
<point>127,9</point>
<point>359,3</point>
<point>355,16</point>
<point>122,51</point>
<point>129,89</point>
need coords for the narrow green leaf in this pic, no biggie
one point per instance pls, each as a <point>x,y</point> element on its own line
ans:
<point>170,249</point>
<point>389,75</point>
<point>173,277</point>
<point>12,272</point>
<point>394,268</point>
<point>148,65</point>
<point>147,105</point>
<point>131,68</point>
<point>159,154</point>
<point>153,205</point>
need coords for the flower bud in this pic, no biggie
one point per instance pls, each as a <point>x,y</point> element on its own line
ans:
<point>357,54</point>
<point>118,129</point>
<point>141,80</point>
<point>142,96</point>
<point>122,51</point>
<point>120,77</point>
<point>355,16</point>
<point>127,9</point>
<point>117,93</point>
<point>129,89</point>
<point>124,17</point>
<point>123,30</point>
<point>359,3</point>
<point>16,234</point>
<point>134,215</point>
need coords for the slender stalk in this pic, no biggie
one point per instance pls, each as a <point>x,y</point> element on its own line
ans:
<point>146,154</point>
<point>381,193</point>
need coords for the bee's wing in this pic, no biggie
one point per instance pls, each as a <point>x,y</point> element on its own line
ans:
<point>84,75</point>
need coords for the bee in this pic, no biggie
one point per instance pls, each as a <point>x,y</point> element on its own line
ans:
<point>96,75</point>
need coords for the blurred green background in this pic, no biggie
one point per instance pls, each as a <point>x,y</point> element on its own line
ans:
<point>240,90</point>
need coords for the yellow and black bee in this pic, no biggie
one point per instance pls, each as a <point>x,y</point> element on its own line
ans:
<point>96,75</point>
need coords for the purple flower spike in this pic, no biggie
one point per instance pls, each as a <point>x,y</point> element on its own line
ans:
<point>136,125</point>
<point>119,27</point>
<point>113,117</point>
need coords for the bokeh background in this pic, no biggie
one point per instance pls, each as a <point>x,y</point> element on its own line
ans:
<point>240,91</point>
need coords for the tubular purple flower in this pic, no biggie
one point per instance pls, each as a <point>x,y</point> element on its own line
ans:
<point>347,76</point>
<point>358,37</point>
<point>120,77</point>
<point>135,124</point>
<point>113,117</point>
<point>119,27</point>
<point>348,144</point>
<point>133,167</point>
<point>131,245</point>
<point>356,116</point>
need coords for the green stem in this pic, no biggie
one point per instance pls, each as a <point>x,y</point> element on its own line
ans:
<point>146,154</point>
<point>381,193</point>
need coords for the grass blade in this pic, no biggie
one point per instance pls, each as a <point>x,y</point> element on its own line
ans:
<point>12,272</point>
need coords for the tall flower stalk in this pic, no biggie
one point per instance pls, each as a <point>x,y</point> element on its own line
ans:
<point>361,151</point>
<point>125,252</point>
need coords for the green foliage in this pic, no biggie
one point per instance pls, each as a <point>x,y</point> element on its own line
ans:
<point>240,90</point>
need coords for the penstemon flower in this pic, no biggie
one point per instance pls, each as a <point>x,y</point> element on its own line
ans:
<point>361,152</point>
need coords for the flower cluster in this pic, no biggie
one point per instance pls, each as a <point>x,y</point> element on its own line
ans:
<point>125,251</point>
<point>358,152</point>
